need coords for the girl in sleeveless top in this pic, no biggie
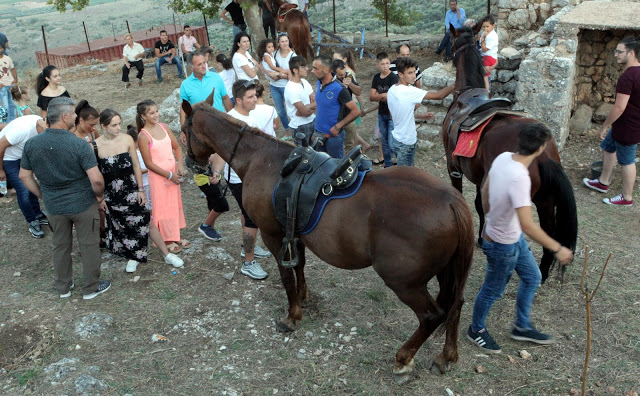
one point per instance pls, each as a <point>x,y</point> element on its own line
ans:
<point>86,121</point>
<point>48,87</point>
<point>157,146</point>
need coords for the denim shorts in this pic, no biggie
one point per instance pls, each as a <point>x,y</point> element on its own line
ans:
<point>626,155</point>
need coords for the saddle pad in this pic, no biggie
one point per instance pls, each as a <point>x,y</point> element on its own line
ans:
<point>468,141</point>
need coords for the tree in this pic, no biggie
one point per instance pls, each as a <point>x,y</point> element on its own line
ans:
<point>397,15</point>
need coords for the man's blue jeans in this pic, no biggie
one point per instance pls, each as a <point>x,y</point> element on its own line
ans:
<point>334,146</point>
<point>501,261</point>
<point>162,61</point>
<point>277,94</point>
<point>405,153</point>
<point>445,44</point>
<point>385,124</point>
<point>7,103</point>
<point>27,202</point>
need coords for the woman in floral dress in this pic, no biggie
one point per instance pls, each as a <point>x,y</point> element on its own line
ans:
<point>128,226</point>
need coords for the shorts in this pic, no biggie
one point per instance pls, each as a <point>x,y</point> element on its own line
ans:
<point>215,200</point>
<point>488,61</point>
<point>236,191</point>
<point>626,155</point>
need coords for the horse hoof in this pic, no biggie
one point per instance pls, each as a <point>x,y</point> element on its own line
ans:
<point>401,379</point>
<point>287,326</point>
<point>438,369</point>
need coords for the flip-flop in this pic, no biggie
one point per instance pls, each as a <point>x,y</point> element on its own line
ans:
<point>378,161</point>
<point>174,248</point>
<point>183,243</point>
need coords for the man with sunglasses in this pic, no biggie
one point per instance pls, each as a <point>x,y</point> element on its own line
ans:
<point>244,92</point>
<point>620,132</point>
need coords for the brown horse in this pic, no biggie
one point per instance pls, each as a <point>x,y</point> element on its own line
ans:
<point>551,189</point>
<point>291,20</point>
<point>409,225</point>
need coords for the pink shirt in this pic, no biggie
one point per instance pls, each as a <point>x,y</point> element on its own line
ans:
<point>509,189</point>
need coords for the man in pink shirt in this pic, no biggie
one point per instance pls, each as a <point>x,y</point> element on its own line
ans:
<point>506,196</point>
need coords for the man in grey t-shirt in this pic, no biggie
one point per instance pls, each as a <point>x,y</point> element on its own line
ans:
<point>71,187</point>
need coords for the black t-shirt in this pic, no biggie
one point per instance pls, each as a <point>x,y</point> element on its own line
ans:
<point>266,14</point>
<point>382,85</point>
<point>236,13</point>
<point>164,47</point>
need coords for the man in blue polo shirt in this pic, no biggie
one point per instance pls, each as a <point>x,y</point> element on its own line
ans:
<point>197,88</point>
<point>335,107</point>
<point>454,17</point>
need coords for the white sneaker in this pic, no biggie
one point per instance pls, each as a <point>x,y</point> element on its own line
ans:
<point>173,260</point>
<point>132,265</point>
<point>257,252</point>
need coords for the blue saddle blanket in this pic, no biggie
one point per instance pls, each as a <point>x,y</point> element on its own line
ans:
<point>322,200</point>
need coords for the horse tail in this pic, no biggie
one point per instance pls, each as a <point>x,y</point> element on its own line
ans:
<point>460,263</point>
<point>554,181</point>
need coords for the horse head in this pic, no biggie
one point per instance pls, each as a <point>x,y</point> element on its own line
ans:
<point>467,60</point>
<point>197,153</point>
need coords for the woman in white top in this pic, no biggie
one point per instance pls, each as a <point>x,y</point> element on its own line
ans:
<point>226,72</point>
<point>244,65</point>
<point>283,54</point>
<point>265,115</point>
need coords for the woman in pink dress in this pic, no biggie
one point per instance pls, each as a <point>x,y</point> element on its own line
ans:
<point>157,146</point>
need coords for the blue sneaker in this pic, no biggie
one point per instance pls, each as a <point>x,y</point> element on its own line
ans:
<point>531,335</point>
<point>483,340</point>
<point>210,233</point>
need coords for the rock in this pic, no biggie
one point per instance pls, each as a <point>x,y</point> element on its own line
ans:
<point>561,68</point>
<point>15,295</point>
<point>88,385</point>
<point>228,276</point>
<point>503,76</point>
<point>519,19</point>
<point>510,58</point>
<point>437,76</point>
<point>235,303</point>
<point>16,274</point>
<point>513,4</point>
<point>218,254</point>
<point>602,112</point>
<point>525,354</point>
<point>59,370</point>
<point>301,354</point>
<point>135,278</point>
<point>543,9</point>
<point>581,120</point>
<point>510,87</point>
<point>93,325</point>
<point>480,369</point>
<point>559,3</point>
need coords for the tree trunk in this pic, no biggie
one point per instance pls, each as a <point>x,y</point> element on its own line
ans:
<point>254,21</point>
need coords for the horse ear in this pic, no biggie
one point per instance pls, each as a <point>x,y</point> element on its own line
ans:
<point>186,107</point>
<point>454,32</point>
<point>209,99</point>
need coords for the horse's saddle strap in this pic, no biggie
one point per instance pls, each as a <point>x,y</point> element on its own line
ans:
<point>475,120</point>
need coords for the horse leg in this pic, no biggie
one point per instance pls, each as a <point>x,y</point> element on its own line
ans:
<point>303,292</point>
<point>446,300</point>
<point>292,321</point>
<point>430,316</point>
<point>546,216</point>
<point>480,210</point>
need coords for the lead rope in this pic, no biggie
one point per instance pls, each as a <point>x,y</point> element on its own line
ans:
<point>233,154</point>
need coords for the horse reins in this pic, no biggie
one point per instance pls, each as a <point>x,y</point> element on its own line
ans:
<point>233,154</point>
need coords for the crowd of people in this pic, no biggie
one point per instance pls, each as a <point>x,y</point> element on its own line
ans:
<point>120,189</point>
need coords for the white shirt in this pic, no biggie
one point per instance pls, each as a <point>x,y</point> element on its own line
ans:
<point>240,60</point>
<point>265,64</point>
<point>130,53</point>
<point>402,101</point>
<point>17,133</point>
<point>145,176</point>
<point>283,62</point>
<point>297,92</point>
<point>491,42</point>
<point>509,189</point>
<point>234,179</point>
<point>264,115</point>
<point>229,77</point>
<point>188,42</point>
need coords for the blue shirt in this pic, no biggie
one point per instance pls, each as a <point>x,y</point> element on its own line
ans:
<point>330,100</point>
<point>193,90</point>
<point>452,18</point>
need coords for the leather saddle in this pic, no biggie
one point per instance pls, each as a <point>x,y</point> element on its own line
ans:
<point>304,176</point>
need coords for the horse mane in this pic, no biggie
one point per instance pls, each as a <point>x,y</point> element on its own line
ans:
<point>473,66</point>
<point>232,120</point>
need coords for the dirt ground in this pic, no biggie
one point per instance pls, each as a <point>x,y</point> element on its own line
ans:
<point>220,325</point>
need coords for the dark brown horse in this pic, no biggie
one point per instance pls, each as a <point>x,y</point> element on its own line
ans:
<point>551,189</point>
<point>291,20</point>
<point>409,225</point>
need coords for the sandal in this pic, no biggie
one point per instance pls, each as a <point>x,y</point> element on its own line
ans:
<point>174,248</point>
<point>183,243</point>
<point>378,161</point>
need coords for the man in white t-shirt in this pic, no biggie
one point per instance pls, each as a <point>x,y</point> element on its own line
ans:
<point>12,140</point>
<point>300,100</point>
<point>187,43</point>
<point>403,99</point>
<point>132,53</point>
<point>244,92</point>
<point>506,199</point>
